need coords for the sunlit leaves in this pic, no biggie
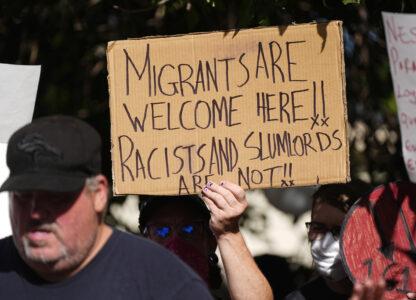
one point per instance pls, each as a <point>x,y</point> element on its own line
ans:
<point>351,1</point>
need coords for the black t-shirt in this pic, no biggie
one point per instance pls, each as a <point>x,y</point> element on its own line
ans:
<point>315,290</point>
<point>127,267</point>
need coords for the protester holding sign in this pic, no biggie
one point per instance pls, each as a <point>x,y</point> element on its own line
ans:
<point>329,208</point>
<point>180,224</point>
<point>184,225</point>
<point>61,248</point>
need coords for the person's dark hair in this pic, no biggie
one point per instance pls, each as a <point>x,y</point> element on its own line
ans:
<point>149,204</point>
<point>341,195</point>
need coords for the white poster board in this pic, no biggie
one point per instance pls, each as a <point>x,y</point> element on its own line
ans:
<point>400,30</point>
<point>18,88</point>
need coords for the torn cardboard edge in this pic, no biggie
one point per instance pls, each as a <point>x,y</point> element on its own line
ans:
<point>344,97</point>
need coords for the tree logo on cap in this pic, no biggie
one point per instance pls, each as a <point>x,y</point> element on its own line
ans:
<point>36,146</point>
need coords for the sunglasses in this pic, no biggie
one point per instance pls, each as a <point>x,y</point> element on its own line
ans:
<point>163,232</point>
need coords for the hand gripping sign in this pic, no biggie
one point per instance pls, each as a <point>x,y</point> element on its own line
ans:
<point>378,238</point>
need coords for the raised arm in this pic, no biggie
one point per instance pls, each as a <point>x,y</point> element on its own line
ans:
<point>227,202</point>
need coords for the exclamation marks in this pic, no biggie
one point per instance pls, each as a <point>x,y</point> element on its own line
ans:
<point>322,114</point>
<point>287,175</point>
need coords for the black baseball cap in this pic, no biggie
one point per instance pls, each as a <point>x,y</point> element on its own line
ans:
<point>55,153</point>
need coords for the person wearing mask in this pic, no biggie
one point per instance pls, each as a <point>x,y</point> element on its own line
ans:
<point>329,208</point>
<point>192,228</point>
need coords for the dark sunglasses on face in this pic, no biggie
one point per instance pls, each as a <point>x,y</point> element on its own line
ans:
<point>318,230</point>
<point>162,232</point>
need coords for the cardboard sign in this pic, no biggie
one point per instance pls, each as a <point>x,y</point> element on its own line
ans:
<point>260,107</point>
<point>378,239</point>
<point>400,32</point>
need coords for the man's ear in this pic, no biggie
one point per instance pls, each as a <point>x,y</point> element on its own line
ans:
<point>101,194</point>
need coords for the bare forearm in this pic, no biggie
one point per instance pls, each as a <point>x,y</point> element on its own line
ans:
<point>227,203</point>
<point>245,280</point>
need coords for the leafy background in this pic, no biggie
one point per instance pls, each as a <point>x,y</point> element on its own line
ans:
<point>69,38</point>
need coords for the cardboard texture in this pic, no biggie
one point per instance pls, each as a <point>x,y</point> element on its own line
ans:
<point>260,107</point>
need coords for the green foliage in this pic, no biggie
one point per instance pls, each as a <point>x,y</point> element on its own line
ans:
<point>69,38</point>
<point>351,1</point>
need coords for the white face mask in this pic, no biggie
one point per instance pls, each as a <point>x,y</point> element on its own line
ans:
<point>327,258</point>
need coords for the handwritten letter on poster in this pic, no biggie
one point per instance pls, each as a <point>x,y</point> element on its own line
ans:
<point>400,32</point>
<point>260,107</point>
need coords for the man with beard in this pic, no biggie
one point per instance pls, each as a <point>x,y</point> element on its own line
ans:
<point>61,248</point>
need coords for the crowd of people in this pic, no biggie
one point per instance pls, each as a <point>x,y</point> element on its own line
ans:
<point>61,248</point>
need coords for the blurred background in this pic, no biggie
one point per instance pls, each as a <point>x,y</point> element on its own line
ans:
<point>69,39</point>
